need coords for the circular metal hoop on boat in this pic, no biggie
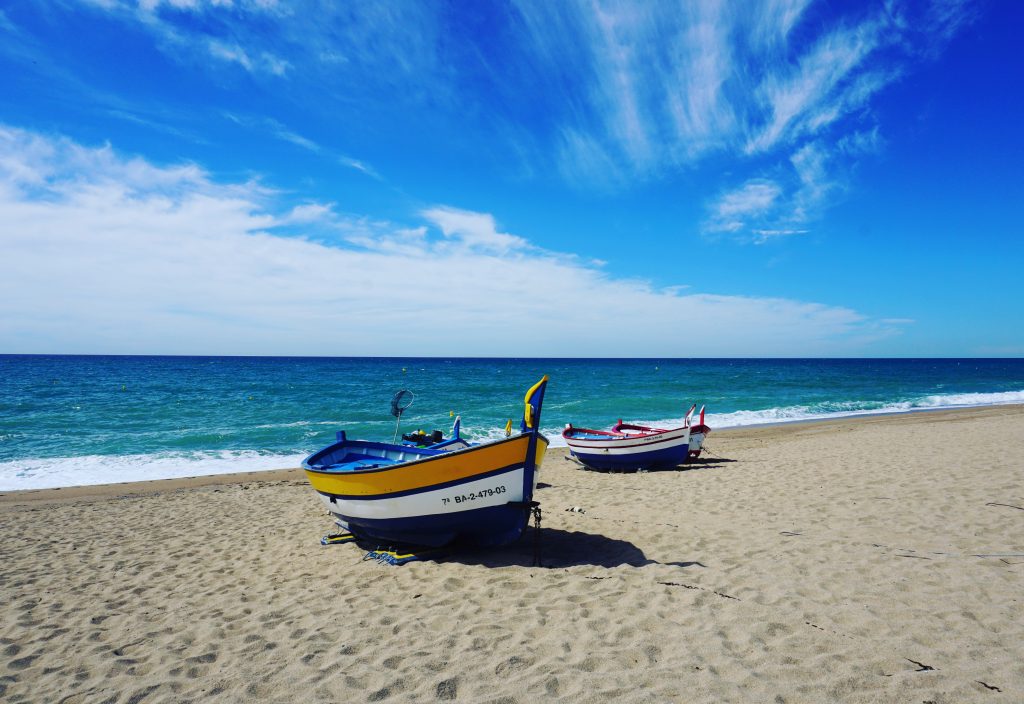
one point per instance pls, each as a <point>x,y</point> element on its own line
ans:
<point>400,401</point>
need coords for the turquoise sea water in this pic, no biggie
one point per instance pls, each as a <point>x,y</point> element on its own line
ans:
<point>72,420</point>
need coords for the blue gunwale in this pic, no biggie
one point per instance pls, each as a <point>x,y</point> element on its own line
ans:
<point>426,454</point>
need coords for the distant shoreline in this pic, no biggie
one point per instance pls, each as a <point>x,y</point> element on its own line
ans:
<point>761,432</point>
<point>857,415</point>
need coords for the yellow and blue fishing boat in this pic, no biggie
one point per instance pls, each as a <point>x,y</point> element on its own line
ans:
<point>400,494</point>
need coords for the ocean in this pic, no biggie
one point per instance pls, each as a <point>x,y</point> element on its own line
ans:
<point>77,420</point>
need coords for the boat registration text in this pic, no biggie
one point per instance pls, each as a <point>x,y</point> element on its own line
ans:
<point>474,495</point>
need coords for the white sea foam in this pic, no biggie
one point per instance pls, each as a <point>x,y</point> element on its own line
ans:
<point>40,473</point>
<point>43,473</point>
<point>301,424</point>
<point>795,414</point>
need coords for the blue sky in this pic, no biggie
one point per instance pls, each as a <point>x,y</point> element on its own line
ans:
<point>783,178</point>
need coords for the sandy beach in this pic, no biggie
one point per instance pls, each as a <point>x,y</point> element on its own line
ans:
<point>878,559</point>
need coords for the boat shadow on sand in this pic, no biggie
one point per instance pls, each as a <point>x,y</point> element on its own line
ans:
<point>703,463</point>
<point>557,548</point>
<point>689,466</point>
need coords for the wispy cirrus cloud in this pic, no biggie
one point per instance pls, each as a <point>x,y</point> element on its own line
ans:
<point>698,68</point>
<point>655,86</point>
<point>267,38</point>
<point>771,20</point>
<point>645,85</point>
<point>275,128</point>
<point>219,37</point>
<point>762,210</point>
<point>284,133</point>
<point>359,166</point>
<point>927,29</point>
<point>752,200</point>
<point>762,235</point>
<point>260,62</point>
<point>816,91</point>
<point>618,93</point>
<point>665,87</point>
<point>118,236</point>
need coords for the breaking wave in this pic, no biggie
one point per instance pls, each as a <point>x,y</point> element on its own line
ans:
<point>52,472</point>
<point>845,409</point>
<point>45,473</point>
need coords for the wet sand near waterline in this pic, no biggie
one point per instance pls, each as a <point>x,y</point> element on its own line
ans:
<point>869,559</point>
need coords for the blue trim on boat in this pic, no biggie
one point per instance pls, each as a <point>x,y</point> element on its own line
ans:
<point>416,454</point>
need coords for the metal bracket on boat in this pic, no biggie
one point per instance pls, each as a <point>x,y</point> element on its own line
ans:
<point>533,508</point>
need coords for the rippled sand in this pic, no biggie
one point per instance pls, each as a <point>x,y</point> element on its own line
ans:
<point>877,559</point>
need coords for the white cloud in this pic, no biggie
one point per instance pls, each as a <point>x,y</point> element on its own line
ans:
<point>761,209</point>
<point>653,88</point>
<point>809,96</point>
<point>861,142</point>
<point>754,197</point>
<point>775,18</point>
<point>181,37</point>
<point>811,164</point>
<point>619,93</point>
<point>308,213</point>
<point>644,84</point>
<point>360,166</point>
<point>663,86</point>
<point>584,158</point>
<point>733,210</point>
<point>261,62</point>
<point>701,63</point>
<point>927,30</point>
<point>104,253</point>
<point>284,133</point>
<point>762,236</point>
<point>274,127</point>
<point>472,230</point>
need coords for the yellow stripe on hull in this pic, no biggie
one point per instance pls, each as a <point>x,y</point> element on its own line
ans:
<point>420,474</point>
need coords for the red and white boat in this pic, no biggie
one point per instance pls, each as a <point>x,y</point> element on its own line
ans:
<point>698,430</point>
<point>636,447</point>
